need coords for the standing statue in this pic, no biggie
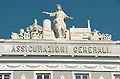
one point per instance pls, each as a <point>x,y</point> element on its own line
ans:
<point>59,21</point>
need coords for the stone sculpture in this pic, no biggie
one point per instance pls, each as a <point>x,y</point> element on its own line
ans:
<point>15,36</point>
<point>106,37</point>
<point>59,21</point>
<point>59,32</point>
<point>95,35</point>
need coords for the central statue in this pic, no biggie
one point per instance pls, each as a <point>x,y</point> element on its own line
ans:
<point>59,21</point>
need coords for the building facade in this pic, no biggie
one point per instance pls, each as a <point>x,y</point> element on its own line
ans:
<point>44,53</point>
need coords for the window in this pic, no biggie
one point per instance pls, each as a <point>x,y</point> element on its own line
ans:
<point>43,75</point>
<point>5,75</point>
<point>115,75</point>
<point>81,75</point>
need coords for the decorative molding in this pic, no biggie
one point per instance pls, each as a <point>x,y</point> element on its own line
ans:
<point>47,66</point>
<point>71,66</point>
<point>13,65</point>
<point>52,66</point>
<point>110,66</point>
<point>90,66</point>
<point>33,65</point>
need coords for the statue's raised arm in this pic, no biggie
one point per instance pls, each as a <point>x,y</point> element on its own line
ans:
<point>69,17</point>
<point>50,14</point>
<point>46,13</point>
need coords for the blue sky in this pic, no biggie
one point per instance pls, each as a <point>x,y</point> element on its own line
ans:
<point>104,14</point>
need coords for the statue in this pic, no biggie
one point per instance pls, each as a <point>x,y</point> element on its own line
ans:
<point>106,37</point>
<point>15,36</point>
<point>95,35</point>
<point>59,21</point>
<point>35,22</point>
<point>34,27</point>
<point>21,35</point>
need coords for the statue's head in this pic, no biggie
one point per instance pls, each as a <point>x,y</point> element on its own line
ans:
<point>58,7</point>
<point>21,30</point>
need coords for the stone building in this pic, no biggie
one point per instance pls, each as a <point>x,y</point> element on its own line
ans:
<point>40,52</point>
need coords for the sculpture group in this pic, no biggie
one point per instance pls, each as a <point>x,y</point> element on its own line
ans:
<point>59,32</point>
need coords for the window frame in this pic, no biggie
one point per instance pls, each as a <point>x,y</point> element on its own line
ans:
<point>11,73</point>
<point>73,74</point>
<point>113,73</point>
<point>51,73</point>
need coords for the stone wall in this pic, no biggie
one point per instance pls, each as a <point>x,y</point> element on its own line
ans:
<point>58,74</point>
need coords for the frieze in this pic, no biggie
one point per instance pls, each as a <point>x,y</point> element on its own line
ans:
<point>13,65</point>
<point>110,66</point>
<point>52,66</point>
<point>71,66</point>
<point>90,66</point>
<point>33,65</point>
<point>41,66</point>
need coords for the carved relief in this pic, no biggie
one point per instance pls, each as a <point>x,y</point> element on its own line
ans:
<point>33,65</point>
<point>41,66</point>
<point>110,66</point>
<point>90,66</point>
<point>13,65</point>
<point>52,66</point>
<point>71,66</point>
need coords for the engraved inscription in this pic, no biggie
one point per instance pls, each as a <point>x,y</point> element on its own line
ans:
<point>39,49</point>
<point>91,50</point>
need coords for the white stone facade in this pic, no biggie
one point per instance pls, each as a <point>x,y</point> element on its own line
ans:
<point>42,52</point>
